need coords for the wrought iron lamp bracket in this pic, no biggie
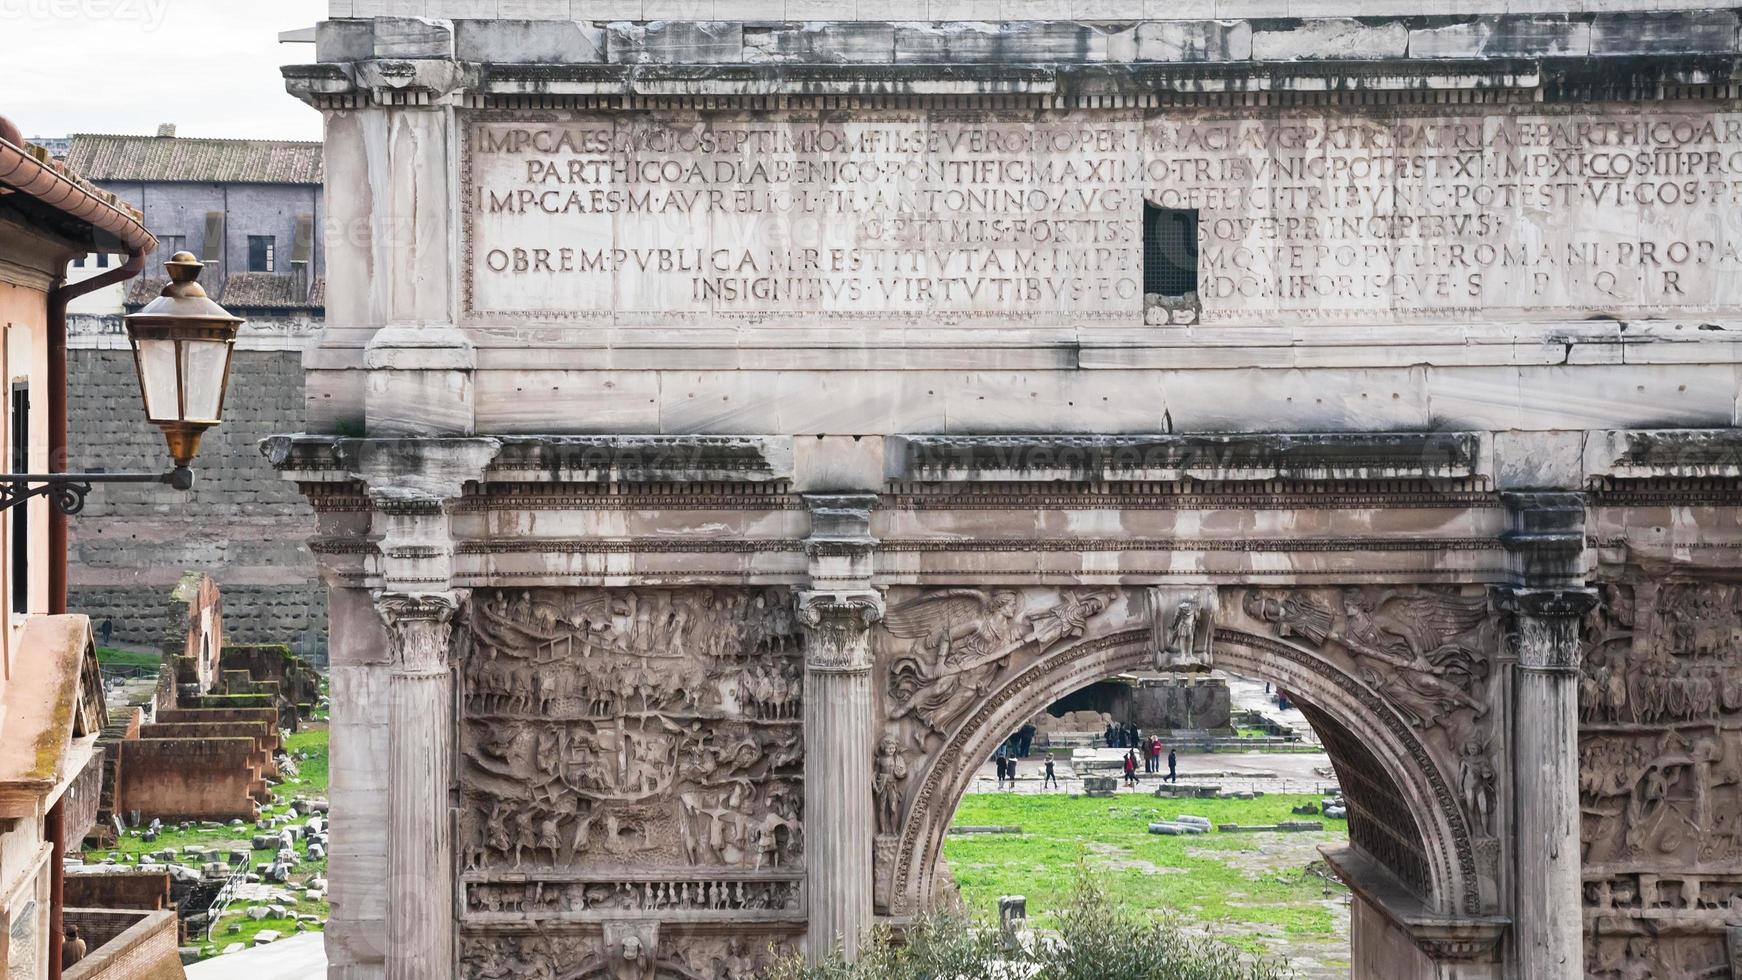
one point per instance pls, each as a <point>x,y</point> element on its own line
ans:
<point>67,491</point>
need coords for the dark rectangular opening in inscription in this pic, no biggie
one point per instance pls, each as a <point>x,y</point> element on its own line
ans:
<point>1170,251</point>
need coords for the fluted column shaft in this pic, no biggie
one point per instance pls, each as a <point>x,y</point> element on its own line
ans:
<point>419,846</point>
<point>1549,919</point>
<point>839,747</point>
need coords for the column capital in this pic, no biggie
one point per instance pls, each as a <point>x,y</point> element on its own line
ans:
<point>419,629</point>
<point>1547,626</point>
<point>839,626</point>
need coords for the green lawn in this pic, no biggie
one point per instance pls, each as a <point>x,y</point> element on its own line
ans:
<point>1252,890</point>
<point>129,658</point>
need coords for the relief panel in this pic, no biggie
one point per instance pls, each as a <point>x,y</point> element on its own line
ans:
<point>632,751</point>
<point>1660,778</point>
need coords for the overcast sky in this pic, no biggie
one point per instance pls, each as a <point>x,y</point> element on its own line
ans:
<point>124,66</point>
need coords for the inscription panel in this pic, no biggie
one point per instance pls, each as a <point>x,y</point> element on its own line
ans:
<point>943,217</point>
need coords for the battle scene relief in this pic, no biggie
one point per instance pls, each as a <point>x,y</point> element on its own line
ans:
<point>631,753</point>
<point>1660,779</point>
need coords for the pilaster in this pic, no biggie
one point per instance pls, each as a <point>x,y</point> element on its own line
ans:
<point>838,612</point>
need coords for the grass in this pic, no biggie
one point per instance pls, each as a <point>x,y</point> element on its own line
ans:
<point>309,747</point>
<point>1220,882</point>
<point>109,657</point>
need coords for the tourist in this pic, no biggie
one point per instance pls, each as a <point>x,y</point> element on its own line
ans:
<point>1172,767</point>
<point>1107,736</point>
<point>998,760</point>
<point>1131,768</point>
<point>1051,777</point>
<point>1025,739</point>
<point>73,949</point>
<point>1010,767</point>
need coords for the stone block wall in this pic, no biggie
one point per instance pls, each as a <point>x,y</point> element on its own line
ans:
<point>241,524</point>
<point>189,778</point>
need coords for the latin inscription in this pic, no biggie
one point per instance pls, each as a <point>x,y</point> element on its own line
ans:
<point>947,217</point>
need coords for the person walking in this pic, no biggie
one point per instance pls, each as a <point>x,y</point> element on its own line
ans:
<point>1130,768</point>
<point>1172,767</point>
<point>1051,778</point>
<point>998,761</point>
<point>72,949</point>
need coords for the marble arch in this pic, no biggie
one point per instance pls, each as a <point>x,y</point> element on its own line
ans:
<point>1311,677</point>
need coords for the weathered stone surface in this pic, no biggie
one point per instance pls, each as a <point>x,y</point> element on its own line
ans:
<point>820,44</point>
<point>675,42</point>
<point>1690,32</point>
<point>1331,39</point>
<point>1503,37</point>
<point>529,41</point>
<point>1193,40</point>
<point>1011,43</point>
<point>412,37</point>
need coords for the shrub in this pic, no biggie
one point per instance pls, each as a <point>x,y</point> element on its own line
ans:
<point>1095,940</point>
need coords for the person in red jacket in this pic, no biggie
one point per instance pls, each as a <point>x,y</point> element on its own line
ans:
<point>1131,767</point>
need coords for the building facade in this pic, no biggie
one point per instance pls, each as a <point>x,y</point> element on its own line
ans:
<point>729,430</point>
<point>251,210</point>
<point>51,696</point>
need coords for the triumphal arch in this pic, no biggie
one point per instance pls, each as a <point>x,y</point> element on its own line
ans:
<point>726,431</point>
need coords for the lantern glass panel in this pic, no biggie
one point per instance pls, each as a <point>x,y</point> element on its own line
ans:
<point>203,366</point>
<point>157,370</point>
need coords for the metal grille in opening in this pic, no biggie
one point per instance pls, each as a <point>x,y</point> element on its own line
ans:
<point>1170,251</point>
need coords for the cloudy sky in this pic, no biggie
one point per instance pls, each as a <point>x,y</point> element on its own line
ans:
<point>124,66</point>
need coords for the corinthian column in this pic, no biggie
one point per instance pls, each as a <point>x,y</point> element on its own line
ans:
<point>1550,915</point>
<point>1545,546</point>
<point>838,741</point>
<point>839,736</point>
<point>420,855</point>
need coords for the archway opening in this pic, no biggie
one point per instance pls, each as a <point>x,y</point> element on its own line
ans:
<point>1397,829</point>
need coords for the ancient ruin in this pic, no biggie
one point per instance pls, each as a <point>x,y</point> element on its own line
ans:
<point>726,433</point>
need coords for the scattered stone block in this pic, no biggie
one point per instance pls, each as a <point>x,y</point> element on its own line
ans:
<point>259,913</point>
<point>265,937</point>
<point>233,948</point>
<point>1299,826</point>
<point>1195,821</point>
<point>1100,786</point>
<point>1307,809</point>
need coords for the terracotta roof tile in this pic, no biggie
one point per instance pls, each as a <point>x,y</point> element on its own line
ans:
<point>157,158</point>
<point>143,290</point>
<point>271,289</point>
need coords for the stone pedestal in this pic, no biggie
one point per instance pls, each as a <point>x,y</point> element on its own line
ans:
<point>1549,914</point>
<point>419,846</point>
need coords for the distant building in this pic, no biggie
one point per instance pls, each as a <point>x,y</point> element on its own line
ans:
<point>251,211</point>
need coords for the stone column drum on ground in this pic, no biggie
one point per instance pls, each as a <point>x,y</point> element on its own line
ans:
<point>419,849</point>
<point>1550,913</point>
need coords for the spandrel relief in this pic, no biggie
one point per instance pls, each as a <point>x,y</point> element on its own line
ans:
<point>1427,652</point>
<point>946,649</point>
<point>631,728</point>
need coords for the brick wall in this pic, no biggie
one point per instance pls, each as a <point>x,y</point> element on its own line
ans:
<point>189,778</point>
<point>240,523</point>
<point>145,950</point>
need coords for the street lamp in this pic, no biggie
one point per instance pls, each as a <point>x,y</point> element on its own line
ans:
<point>182,345</point>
